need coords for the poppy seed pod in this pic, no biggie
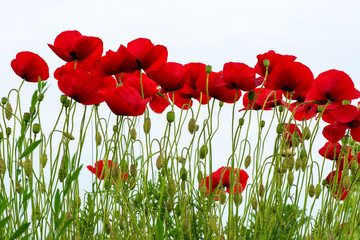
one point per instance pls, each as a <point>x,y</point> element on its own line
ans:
<point>160,162</point>
<point>98,139</point>
<point>8,111</point>
<point>67,103</point>
<point>241,121</point>
<point>63,99</point>
<point>203,151</point>
<point>208,69</point>
<point>170,116</point>
<point>312,190</point>
<point>36,128</point>
<point>147,125</point>
<point>266,63</point>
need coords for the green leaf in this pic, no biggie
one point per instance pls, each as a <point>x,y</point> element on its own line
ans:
<point>57,203</point>
<point>3,222</point>
<point>159,230</point>
<point>34,99</point>
<point>173,232</point>
<point>20,231</point>
<point>70,179</point>
<point>30,148</point>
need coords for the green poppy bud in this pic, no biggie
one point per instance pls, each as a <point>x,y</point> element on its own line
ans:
<point>183,186</point>
<point>208,69</point>
<point>320,108</point>
<point>251,95</point>
<point>185,225</point>
<point>291,162</point>
<point>241,121</point>
<point>2,167</point>
<point>172,187</point>
<point>28,168</point>
<point>98,139</point>
<point>221,103</point>
<point>147,125</point>
<point>212,224</point>
<point>203,151</point>
<point>8,111</point>
<point>347,182</point>
<point>317,190</point>
<point>200,176</point>
<point>192,125</point>
<point>8,131</point>
<point>306,133</point>
<point>26,117</point>
<point>290,178</point>
<point>68,135</point>
<point>311,190</point>
<point>254,203</point>
<point>3,100</point>
<point>266,63</point>
<point>63,99</point>
<point>329,216</point>
<point>133,134</point>
<point>247,161</point>
<point>169,205</point>
<point>222,196</point>
<point>298,164</point>
<point>62,170</point>
<point>43,160</point>
<point>19,188</point>
<point>133,170</point>
<point>280,128</point>
<point>160,162</point>
<point>281,108</point>
<point>237,198</point>
<point>40,97</point>
<point>170,116</point>
<point>354,167</point>
<point>261,190</point>
<point>36,128</point>
<point>262,124</point>
<point>304,164</point>
<point>183,174</point>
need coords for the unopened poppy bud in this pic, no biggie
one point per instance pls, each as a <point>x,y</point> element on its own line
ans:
<point>241,121</point>
<point>347,182</point>
<point>311,190</point>
<point>261,190</point>
<point>172,187</point>
<point>3,100</point>
<point>317,190</point>
<point>290,178</point>
<point>26,117</point>
<point>251,95</point>
<point>2,166</point>
<point>200,176</point>
<point>62,170</point>
<point>329,216</point>
<point>67,103</point>
<point>68,135</point>
<point>147,125</point>
<point>247,161</point>
<point>345,102</point>
<point>254,203</point>
<point>133,134</point>
<point>203,151</point>
<point>63,99</point>
<point>284,166</point>
<point>133,170</point>
<point>183,186</point>
<point>19,188</point>
<point>298,163</point>
<point>107,184</point>
<point>98,139</point>
<point>291,163</point>
<point>36,213</point>
<point>221,103</point>
<point>28,168</point>
<point>40,97</point>
<point>354,167</point>
<point>266,63</point>
<point>281,108</point>
<point>192,125</point>
<point>8,131</point>
<point>262,124</point>
<point>320,108</point>
<point>280,128</point>
<point>43,160</point>
<point>237,198</point>
<point>170,116</point>
<point>212,224</point>
<point>36,128</point>
<point>8,111</point>
<point>160,162</point>
<point>208,69</point>
<point>306,133</point>
<point>183,173</point>
<point>222,196</point>
<point>185,225</point>
<point>115,128</point>
<point>304,164</point>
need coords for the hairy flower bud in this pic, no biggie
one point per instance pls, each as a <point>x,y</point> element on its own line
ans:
<point>40,97</point>
<point>247,161</point>
<point>291,163</point>
<point>298,163</point>
<point>254,203</point>
<point>8,111</point>
<point>98,139</point>
<point>36,128</point>
<point>172,187</point>
<point>290,178</point>
<point>347,182</point>
<point>63,99</point>
<point>304,164</point>
<point>261,190</point>
<point>28,168</point>
<point>192,125</point>
<point>281,108</point>
<point>147,125</point>
<point>2,167</point>
<point>62,170</point>
<point>3,100</point>
<point>280,128</point>
<point>262,124</point>
<point>200,176</point>
<point>306,133</point>
<point>183,174</point>
<point>43,160</point>
<point>133,170</point>
<point>160,162</point>
<point>133,134</point>
<point>183,186</point>
<point>212,224</point>
<point>237,198</point>
<point>329,216</point>
<point>312,190</point>
<point>354,167</point>
<point>170,116</point>
<point>68,135</point>
<point>222,196</point>
<point>221,103</point>
<point>320,108</point>
<point>241,121</point>
<point>169,205</point>
<point>185,225</point>
<point>317,190</point>
<point>203,151</point>
<point>8,131</point>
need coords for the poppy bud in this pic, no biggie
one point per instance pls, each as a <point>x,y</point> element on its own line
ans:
<point>192,125</point>
<point>304,164</point>
<point>306,133</point>
<point>266,63</point>
<point>2,166</point>
<point>254,203</point>
<point>222,196</point>
<point>26,117</point>
<point>280,128</point>
<point>345,102</point>
<point>67,103</point>
<point>290,162</point>
<point>281,108</point>
<point>107,184</point>
<point>317,190</point>
<point>320,108</point>
<point>183,173</point>
<point>8,111</point>
<point>203,151</point>
<point>329,216</point>
<point>68,135</point>
<point>261,190</point>
<point>170,116</point>
<point>312,190</point>
<point>290,178</point>
<point>3,100</point>
<point>212,224</point>
<point>251,95</point>
<point>68,215</point>
<point>133,134</point>
<point>169,205</point>
<point>36,213</point>
<point>28,168</point>
<point>262,124</point>
<point>63,99</point>
<point>43,160</point>
<point>8,131</point>
<point>62,170</point>
<point>347,182</point>
<point>185,225</point>
<point>172,187</point>
<point>133,170</point>
<point>160,162</point>
<point>182,186</point>
<point>98,139</point>
<point>147,125</point>
<point>241,121</point>
<point>36,128</point>
<point>208,69</point>
<point>115,128</point>
<point>354,167</point>
<point>222,237</point>
<point>200,176</point>
<point>19,188</point>
<point>221,103</point>
<point>237,198</point>
<point>247,161</point>
<point>298,164</point>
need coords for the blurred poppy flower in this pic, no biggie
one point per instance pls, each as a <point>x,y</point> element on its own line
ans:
<point>274,58</point>
<point>332,85</point>
<point>336,186</point>
<point>292,134</point>
<point>159,103</point>
<point>221,179</point>
<point>290,76</point>
<point>331,150</point>
<point>238,76</point>
<point>303,111</point>
<point>149,87</point>
<point>30,66</point>
<point>195,71</point>
<point>72,46</point>
<point>265,99</point>
<point>102,171</point>
<point>124,100</point>
<point>147,55</point>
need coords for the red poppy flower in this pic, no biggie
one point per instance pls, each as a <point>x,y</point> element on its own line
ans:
<point>124,100</point>
<point>332,85</point>
<point>331,150</point>
<point>170,76</point>
<point>274,58</point>
<point>81,86</point>
<point>337,187</point>
<point>30,66</point>
<point>220,93</point>
<point>265,100</point>
<point>71,46</point>
<point>221,179</point>
<point>100,172</point>
<point>159,103</point>
<point>238,76</point>
<point>346,117</point>
<point>195,71</point>
<point>149,87</point>
<point>304,111</point>
<point>148,56</point>
<point>290,76</point>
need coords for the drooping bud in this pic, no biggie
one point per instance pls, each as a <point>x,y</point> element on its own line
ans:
<point>63,99</point>
<point>280,128</point>
<point>203,151</point>
<point>262,124</point>
<point>298,163</point>
<point>222,196</point>
<point>247,161</point>
<point>98,139</point>
<point>347,182</point>
<point>8,111</point>
<point>2,167</point>
<point>147,125</point>
<point>306,133</point>
<point>254,203</point>
<point>8,131</point>
<point>200,176</point>
<point>317,190</point>
<point>261,190</point>
<point>43,160</point>
<point>170,116</point>
<point>36,213</point>
<point>303,153</point>
<point>172,187</point>
<point>304,164</point>
<point>133,134</point>
<point>183,174</point>
<point>329,216</point>
<point>19,188</point>
<point>160,162</point>
<point>208,69</point>
<point>237,198</point>
<point>241,121</point>
<point>312,190</point>
<point>266,63</point>
<point>133,170</point>
<point>290,178</point>
<point>185,225</point>
<point>68,135</point>
<point>169,205</point>
<point>212,224</point>
<point>36,128</point>
<point>183,186</point>
<point>251,95</point>
<point>62,170</point>
<point>354,167</point>
<point>192,125</point>
<point>28,168</point>
<point>291,162</point>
